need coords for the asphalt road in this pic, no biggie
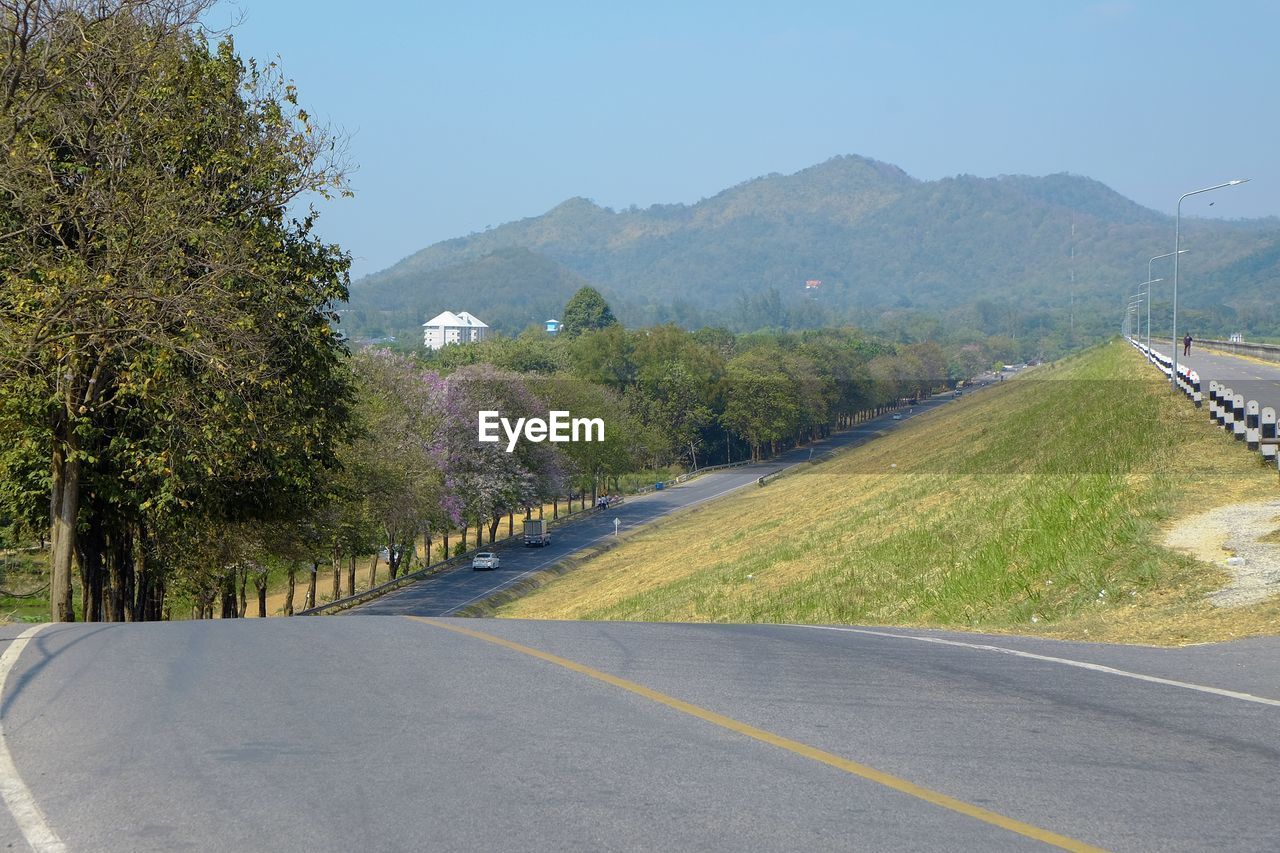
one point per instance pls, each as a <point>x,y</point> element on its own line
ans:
<point>378,733</point>
<point>448,592</point>
<point>395,734</point>
<point>1255,380</point>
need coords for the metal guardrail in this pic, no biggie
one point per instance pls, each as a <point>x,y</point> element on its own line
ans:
<point>1268,352</point>
<point>689,475</point>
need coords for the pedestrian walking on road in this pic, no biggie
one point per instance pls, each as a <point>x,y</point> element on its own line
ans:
<point>1186,345</point>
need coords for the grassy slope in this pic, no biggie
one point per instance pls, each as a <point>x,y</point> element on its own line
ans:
<point>1037,506</point>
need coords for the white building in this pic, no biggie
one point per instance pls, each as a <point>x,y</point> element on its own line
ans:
<point>450,328</point>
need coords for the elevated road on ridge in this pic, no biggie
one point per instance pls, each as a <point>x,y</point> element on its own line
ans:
<point>1256,380</point>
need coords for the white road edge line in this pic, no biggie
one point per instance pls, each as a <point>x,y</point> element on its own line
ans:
<point>1095,667</point>
<point>17,796</point>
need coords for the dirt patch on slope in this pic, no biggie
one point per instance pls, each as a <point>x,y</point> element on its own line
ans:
<point>1240,538</point>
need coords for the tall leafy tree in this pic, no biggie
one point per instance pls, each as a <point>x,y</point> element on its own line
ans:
<point>586,311</point>
<point>165,323</point>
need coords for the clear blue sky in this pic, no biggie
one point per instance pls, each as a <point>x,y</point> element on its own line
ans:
<point>467,115</point>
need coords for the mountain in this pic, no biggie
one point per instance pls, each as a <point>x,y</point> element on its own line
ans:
<point>508,288</point>
<point>879,240</point>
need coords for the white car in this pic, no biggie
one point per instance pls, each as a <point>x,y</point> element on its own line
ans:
<point>484,560</point>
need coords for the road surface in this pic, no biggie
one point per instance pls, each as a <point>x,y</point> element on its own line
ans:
<point>446,593</point>
<point>1255,380</point>
<point>393,734</point>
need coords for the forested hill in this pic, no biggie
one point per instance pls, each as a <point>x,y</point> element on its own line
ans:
<point>962,249</point>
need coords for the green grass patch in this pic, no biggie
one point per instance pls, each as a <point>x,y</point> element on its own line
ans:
<point>1039,505</point>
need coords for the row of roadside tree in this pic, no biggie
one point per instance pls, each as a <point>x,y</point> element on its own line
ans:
<point>181,415</point>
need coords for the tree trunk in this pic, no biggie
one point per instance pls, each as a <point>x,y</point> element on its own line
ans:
<point>351,575</point>
<point>511,523</point>
<point>445,537</point>
<point>228,594</point>
<point>311,586</point>
<point>555,507</point>
<point>292,577</point>
<point>64,511</point>
<point>242,608</point>
<point>260,584</point>
<point>337,575</point>
<point>136,582</point>
<point>373,569</point>
<point>117,557</point>
<point>89,551</point>
<point>493,528</point>
<point>465,528</point>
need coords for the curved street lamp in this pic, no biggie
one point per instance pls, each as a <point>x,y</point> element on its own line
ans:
<point>1131,311</point>
<point>1177,237</point>
<point>1147,284</point>
<point>1156,258</point>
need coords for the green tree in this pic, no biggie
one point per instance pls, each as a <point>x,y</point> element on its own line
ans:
<point>165,323</point>
<point>586,311</point>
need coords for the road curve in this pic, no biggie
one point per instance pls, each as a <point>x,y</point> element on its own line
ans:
<point>389,734</point>
<point>446,593</point>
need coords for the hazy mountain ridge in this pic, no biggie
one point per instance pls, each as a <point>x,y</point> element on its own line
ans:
<point>533,289</point>
<point>875,236</point>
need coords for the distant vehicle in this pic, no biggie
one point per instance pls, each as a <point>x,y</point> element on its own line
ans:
<point>535,533</point>
<point>484,560</point>
<point>897,417</point>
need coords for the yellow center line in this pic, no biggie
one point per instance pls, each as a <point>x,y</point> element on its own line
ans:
<point>870,773</point>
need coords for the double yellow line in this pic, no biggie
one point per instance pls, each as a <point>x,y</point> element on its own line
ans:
<point>831,760</point>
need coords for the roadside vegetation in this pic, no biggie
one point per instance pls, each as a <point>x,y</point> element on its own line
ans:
<point>185,422</point>
<point>1038,506</point>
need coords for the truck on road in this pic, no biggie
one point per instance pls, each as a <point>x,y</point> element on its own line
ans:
<point>535,533</point>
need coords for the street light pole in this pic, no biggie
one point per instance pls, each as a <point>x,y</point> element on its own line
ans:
<point>1130,312</point>
<point>1177,238</point>
<point>1156,258</point>
<point>1148,283</point>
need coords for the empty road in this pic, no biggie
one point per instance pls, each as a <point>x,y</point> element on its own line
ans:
<point>393,734</point>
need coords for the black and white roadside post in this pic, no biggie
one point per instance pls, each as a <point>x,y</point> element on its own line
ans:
<point>1213,399</point>
<point>1227,410</point>
<point>1237,416</point>
<point>1196,395</point>
<point>1268,434</point>
<point>1251,425</point>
